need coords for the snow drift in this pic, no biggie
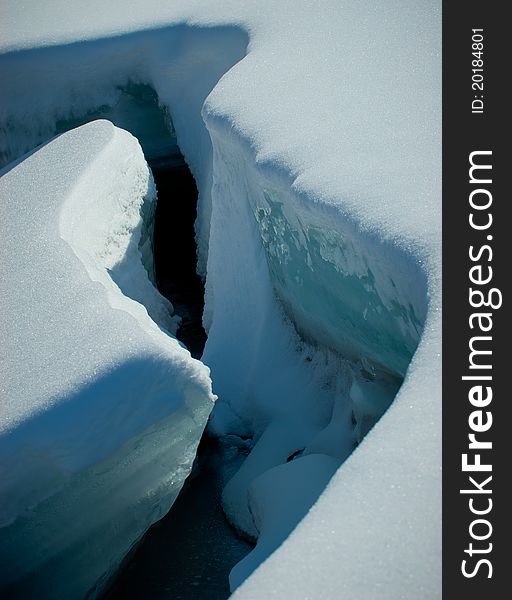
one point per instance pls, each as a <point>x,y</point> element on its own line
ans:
<point>318,232</point>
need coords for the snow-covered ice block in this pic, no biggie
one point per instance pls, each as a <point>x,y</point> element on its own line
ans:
<point>102,408</point>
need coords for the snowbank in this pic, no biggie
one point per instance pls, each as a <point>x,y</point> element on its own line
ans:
<point>317,158</point>
<point>344,291</point>
<point>103,410</point>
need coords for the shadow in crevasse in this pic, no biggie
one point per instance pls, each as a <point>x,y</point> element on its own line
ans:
<point>175,252</point>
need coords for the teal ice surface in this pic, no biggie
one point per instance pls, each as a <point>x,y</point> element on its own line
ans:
<point>326,284</point>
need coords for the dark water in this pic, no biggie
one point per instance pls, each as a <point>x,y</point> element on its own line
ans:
<point>189,553</point>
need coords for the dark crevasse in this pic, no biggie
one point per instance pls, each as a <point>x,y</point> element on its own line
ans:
<point>175,252</point>
<point>190,552</point>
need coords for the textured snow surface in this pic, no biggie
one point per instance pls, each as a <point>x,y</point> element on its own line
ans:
<point>92,387</point>
<point>319,178</point>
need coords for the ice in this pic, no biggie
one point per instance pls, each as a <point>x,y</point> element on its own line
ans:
<point>104,409</point>
<point>293,392</point>
<point>317,159</point>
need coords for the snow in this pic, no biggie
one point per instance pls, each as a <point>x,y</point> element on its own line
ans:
<point>105,409</point>
<point>317,158</point>
<point>278,499</point>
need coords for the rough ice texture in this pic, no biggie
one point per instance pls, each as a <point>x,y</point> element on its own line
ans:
<point>101,409</point>
<point>317,159</point>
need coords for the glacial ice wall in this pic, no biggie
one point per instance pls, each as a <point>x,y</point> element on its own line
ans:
<point>102,409</point>
<point>339,290</point>
<point>319,347</point>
